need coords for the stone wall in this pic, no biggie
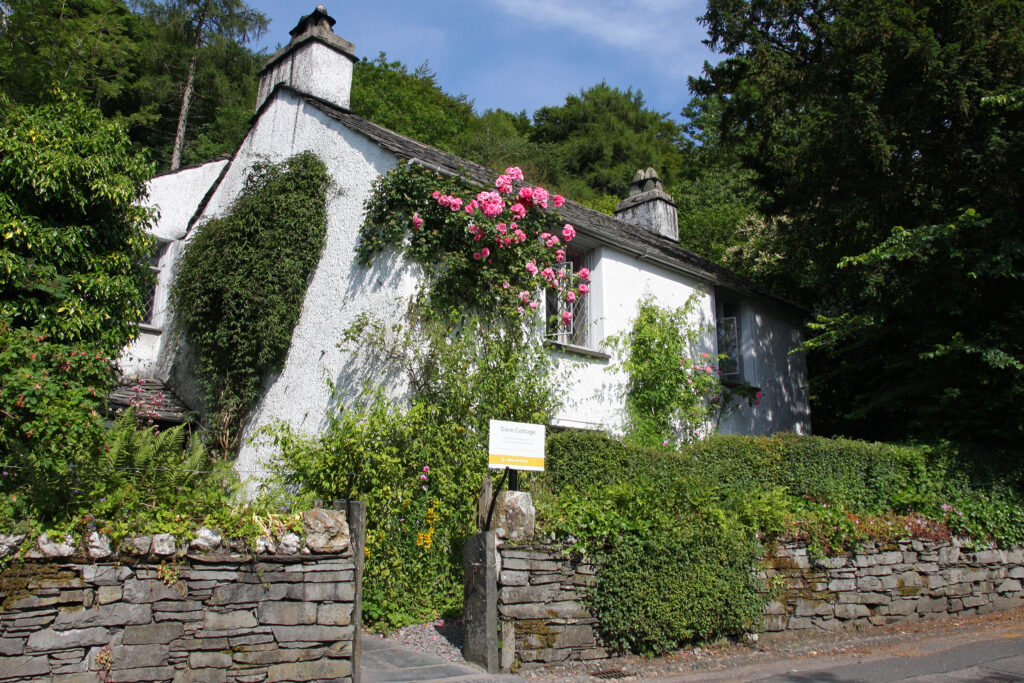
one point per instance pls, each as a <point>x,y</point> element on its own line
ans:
<point>904,582</point>
<point>542,618</point>
<point>155,610</point>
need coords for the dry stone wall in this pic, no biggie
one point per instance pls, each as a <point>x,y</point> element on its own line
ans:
<point>157,611</point>
<point>543,618</point>
<point>884,585</point>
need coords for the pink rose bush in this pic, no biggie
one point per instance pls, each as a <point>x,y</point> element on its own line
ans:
<point>478,246</point>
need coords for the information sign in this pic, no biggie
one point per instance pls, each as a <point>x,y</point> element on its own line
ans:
<point>516,445</point>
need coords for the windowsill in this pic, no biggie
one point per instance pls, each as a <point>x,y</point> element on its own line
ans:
<point>738,384</point>
<point>151,329</point>
<point>577,350</point>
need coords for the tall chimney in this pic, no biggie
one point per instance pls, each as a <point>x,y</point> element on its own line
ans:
<point>315,62</point>
<point>649,206</point>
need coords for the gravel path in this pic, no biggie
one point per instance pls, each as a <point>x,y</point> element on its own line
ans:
<point>441,638</point>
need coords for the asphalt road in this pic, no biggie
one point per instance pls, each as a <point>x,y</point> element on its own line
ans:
<point>991,652</point>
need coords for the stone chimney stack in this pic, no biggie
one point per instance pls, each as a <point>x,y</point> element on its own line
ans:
<point>315,62</point>
<point>649,206</point>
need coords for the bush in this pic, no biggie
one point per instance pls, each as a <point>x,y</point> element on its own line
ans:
<point>677,532</point>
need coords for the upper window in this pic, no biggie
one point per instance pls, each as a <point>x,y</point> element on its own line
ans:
<point>151,308</point>
<point>729,345</point>
<point>578,331</point>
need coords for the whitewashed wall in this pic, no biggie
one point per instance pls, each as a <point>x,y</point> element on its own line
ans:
<point>176,196</point>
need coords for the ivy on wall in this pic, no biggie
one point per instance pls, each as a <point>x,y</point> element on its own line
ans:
<point>239,286</point>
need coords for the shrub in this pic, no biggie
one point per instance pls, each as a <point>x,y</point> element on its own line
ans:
<point>239,286</point>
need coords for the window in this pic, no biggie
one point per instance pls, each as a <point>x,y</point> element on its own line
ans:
<point>577,332</point>
<point>729,336</point>
<point>151,306</point>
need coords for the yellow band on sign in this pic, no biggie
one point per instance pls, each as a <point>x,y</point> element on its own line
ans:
<point>515,461</point>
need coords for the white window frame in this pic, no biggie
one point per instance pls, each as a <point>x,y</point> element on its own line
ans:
<point>581,334</point>
<point>153,314</point>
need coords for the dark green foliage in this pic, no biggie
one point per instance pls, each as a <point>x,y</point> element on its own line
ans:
<point>678,532</point>
<point>688,581</point>
<point>239,287</point>
<point>598,140</point>
<point>72,274</point>
<point>859,117</point>
<point>409,103</point>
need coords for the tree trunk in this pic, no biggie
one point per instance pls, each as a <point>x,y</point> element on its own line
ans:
<point>186,102</point>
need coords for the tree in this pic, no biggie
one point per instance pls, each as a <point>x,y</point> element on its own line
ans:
<point>86,47</point>
<point>858,117</point>
<point>73,272</point>
<point>598,139</point>
<point>412,104</point>
<point>197,24</point>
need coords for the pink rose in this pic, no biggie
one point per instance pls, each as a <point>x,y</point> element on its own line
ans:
<point>560,255</point>
<point>533,305</point>
<point>584,274</point>
<point>524,296</point>
<point>416,221</point>
<point>526,196</point>
<point>423,477</point>
<point>558,200</point>
<point>583,288</point>
<point>504,184</point>
<point>435,194</point>
<point>759,394</point>
<point>540,197</point>
<point>485,252</point>
<point>426,468</point>
<point>568,232</point>
<point>518,210</point>
<point>570,296</point>
<point>531,268</point>
<point>514,173</point>
<point>476,255</point>
<point>566,317</point>
<point>505,285</point>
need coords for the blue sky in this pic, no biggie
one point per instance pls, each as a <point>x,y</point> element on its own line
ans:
<point>523,54</point>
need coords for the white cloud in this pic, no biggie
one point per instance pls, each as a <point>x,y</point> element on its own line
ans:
<point>657,27</point>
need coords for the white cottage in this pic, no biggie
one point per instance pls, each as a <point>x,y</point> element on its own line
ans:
<point>303,104</point>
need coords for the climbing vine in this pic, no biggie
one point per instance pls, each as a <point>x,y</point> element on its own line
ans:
<point>674,394</point>
<point>489,251</point>
<point>240,284</point>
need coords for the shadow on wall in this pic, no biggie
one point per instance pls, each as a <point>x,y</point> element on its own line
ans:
<point>367,368</point>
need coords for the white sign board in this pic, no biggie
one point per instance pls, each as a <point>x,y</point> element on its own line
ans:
<point>516,445</point>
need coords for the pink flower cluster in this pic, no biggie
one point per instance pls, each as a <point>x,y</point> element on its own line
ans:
<point>487,226</point>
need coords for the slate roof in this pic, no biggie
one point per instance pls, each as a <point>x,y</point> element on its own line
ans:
<point>599,227</point>
<point>152,400</point>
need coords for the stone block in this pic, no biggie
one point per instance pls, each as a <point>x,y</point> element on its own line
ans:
<point>799,623</point>
<point>864,560</point>
<point>774,607</point>
<point>319,670</point>
<point>975,601</point>
<point>987,557</point>
<point>152,590</point>
<point>108,594</point>
<point>322,592</point>
<point>827,624</point>
<point>201,676</point>
<point>949,555</point>
<point>518,594</point>
<point>880,570</point>
<point>12,646</point>
<point>229,621</point>
<point>148,634</point>
<point>1009,586</point>
<point>138,656</point>
<point>286,613</point>
<point>813,608</point>
<point>251,641</point>
<point>338,614</point>
<point>276,656</point>
<point>237,593</point>
<point>202,660</point>
<point>575,636</point>
<point>774,622</point>
<point>569,609</point>
<point>1016,573</point>
<point>24,667</point>
<point>206,540</point>
<point>932,605</point>
<point>48,639</point>
<point>514,516</point>
<point>326,530</point>
<point>851,611</point>
<point>312,634</point>
<point>870,583</point>
<point>116,614</point>
<point>902,607</point>
<point>104,574</point>
<point>513,578</point>
<point>840,585</point>
<point>152,673</point>
<point>163,545</point>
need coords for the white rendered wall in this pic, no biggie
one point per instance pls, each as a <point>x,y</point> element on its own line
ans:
<point>312,68</point>
<point>767,337</point>
<point>595,394</point>
<point>340,289</point>
<point>176,196</point>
